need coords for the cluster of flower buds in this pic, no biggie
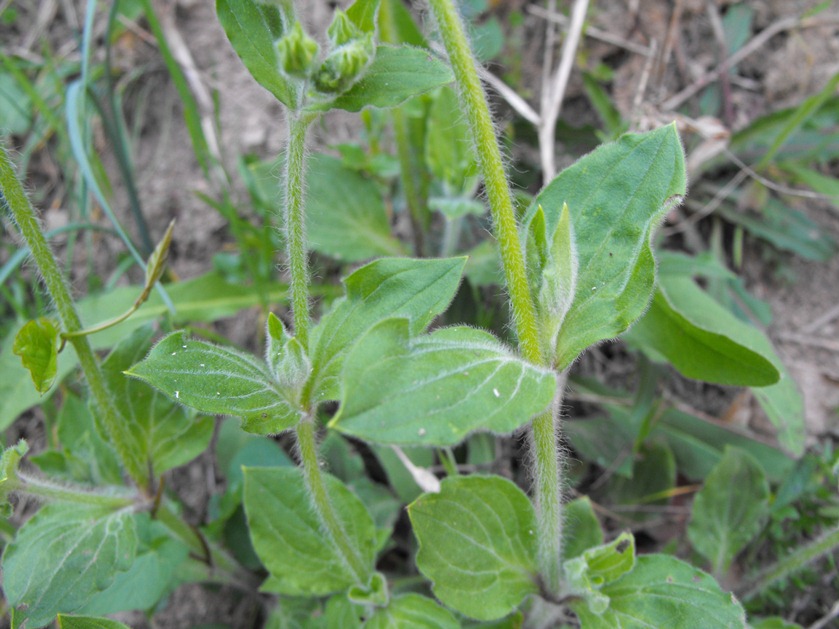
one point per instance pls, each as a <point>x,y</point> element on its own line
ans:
<point>350,53</point>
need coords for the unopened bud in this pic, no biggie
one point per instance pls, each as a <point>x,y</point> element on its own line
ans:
<point>296,52</point>
<point>345,65</point>
<point>342,30</point>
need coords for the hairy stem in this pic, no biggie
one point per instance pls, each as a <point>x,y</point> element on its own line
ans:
<point>332,526</point>
<point>791,564</point>
<point>295,223</point>
<point>53,492</point>
<point>24,215</point>
<point>474,103</point>
<point>544,435</point>
<point>547,478</point>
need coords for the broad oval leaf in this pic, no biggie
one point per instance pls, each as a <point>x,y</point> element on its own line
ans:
<point>36,344</point>
<point>581,530</point>
<point>162,434</point>
<point>252,28</point>
<point>616,196</point>
<point>346,217</point>
<point>396,74</point>
<point>702,339</point>
<point>288,536</point>
<point>730,509</point>
<point>438,388</point>
<point>478,545</point>
<point>412,610</point>
<point>662,591</point>
<point>389,287</point>
<point>219,381</point>
<point>63,556</point>
<point>204,298</point>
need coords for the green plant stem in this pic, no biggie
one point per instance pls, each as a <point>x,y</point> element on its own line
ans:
<point>295,223</point>
<point>474,103</point>
<point>791,564</point>
<point>547,476</point>
<point>24,215</point>
<point>52,492</point>
<point>544,428</point>
<point>410,175</point>
<point>308,452</point>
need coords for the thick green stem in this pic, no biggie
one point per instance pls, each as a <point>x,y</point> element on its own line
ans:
<point>332,526</point>
<point>474,104</point>
<point>791,564</point>
<point>295,223</point>
<point>547,477</point>
<point>544,429</point>
<point>24,215</point>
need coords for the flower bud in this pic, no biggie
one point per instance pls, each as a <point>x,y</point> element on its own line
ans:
<point>342,30</point>
<point>296,52</point>
<point>345,65</point>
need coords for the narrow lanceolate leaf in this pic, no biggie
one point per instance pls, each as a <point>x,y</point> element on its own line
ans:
<point>730,509</point>
<point>702,339</point>
<point>477,542</point>
<point>396,74</point>
<point>662,591</point>
<point>390,287</point>
<point>346,216</point>
<point>252,28</point>
<point>219,381</point>
<point>63,556</point>
<point>37,345</point>
<point>289,538</point>
<point>438,388</point>
<point>415,611</point>
<point>163,434</point>
<point>616,196</point>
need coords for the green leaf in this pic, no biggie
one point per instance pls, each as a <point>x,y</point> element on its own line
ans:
<point>784,406</point>
<point>63,556</point>
<point>8,474</point>
<point>37,345</point>
<point>477,544</point>
<point>582,528</point>
<point>206,298</point>
<point>390,287</point>
<point>396,74</point>
<point>88,622</point>
<point>730,509</point>
<point>219,381</point>
<point>653,476</point>
<point>702,339</point>
<point>152,576</point>
<point>285,356</point>
<point>438,388</point>
<point>448,147</point>
<point>698,446</point>
<point>662,591</point>
<point>364,14</point>
<point>288,536</point>
<point>162,432</point>
<point>252,28</point>
<point>616,196</point>
<point>588,573</point>
<point>412,610</point>
<point>374,594</point>
<point>346,216</point>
